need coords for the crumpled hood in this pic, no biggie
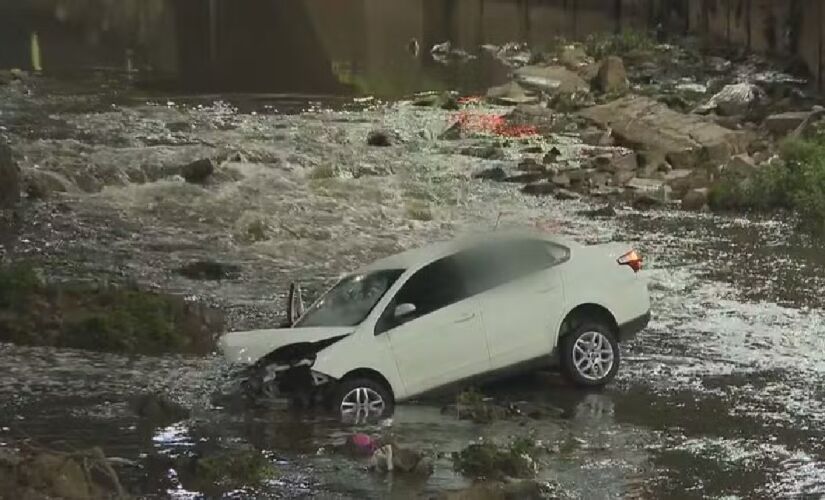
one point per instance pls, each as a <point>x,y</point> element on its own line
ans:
<point>249,347</point>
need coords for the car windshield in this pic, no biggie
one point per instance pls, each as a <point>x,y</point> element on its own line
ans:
<point>350,301</point>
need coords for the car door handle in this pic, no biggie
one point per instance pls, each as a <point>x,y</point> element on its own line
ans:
<point>465,318</point>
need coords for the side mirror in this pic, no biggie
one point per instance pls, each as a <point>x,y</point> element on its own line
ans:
<point>295,304</point>
<point>404,310</point>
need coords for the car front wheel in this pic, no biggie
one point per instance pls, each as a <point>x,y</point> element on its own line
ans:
<point>360,399</point>
<point>590,355</point>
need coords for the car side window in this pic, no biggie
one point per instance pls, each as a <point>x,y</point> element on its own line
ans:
<point>431,288</point>
<point>498,263</point>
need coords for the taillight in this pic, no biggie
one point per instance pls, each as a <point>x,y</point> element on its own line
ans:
<point>632,259</point>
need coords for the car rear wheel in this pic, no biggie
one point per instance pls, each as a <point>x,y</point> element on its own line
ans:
<point>590,355</point>
<point>360,399</point>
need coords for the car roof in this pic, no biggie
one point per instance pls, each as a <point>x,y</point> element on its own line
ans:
<point>421,256</point>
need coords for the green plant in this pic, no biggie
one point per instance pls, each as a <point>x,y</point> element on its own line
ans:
<point>795,182</point>
<point>17,283</point>
<point>486,460</point>
<point>232,470</point>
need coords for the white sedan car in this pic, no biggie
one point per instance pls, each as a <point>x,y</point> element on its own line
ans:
<point>452,313</point>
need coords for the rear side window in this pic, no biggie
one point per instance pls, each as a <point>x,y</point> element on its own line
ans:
<point>495,264</point>
<point>431,288</point>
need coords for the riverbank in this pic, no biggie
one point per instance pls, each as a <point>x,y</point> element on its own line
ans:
<point>225,207</point>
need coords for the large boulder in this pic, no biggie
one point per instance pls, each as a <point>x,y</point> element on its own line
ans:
<point>9,178</point>
<point>785,123</point>
<point>510,94</point>
<point>43,184</point>
<point>612,76</point>
<point>695,199</point>
<point>734,99</point>
<point>551,80</point>
<point>686,140</point>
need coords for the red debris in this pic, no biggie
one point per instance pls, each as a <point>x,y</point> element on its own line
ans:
<point>493,124</point>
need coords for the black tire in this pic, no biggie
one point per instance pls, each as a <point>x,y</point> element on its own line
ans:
<point>345,391</point>
<point>574,362</point>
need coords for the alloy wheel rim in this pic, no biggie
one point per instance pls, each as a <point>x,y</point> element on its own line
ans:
<point>362,402</point>
<point>593,356</point>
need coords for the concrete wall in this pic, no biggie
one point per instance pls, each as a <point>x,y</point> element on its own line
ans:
<point>790,28</point>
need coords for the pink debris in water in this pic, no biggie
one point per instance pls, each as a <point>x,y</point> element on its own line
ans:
<point>363,442</point>
<point>493,124</point>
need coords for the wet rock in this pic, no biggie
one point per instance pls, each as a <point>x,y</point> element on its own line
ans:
<point>526,178</point>
<point>531,165</point>
<point>602,212</point>
<point>445,52</point>
<point>552,155</point>
<point>573,57</point>
<point>552,80</point>
<point>42,184</point>
<point>616,161</point>
<point>380,138</point>
<point>226,471</point>
<point>9,178</point>
<point>199,171</point>
<point>444,100</point>
<point>158,409</point>
<point>543,119</point>
<point>210,270</point>
<point>40,474</point>
<point>735,99</point>
<point>622,177</point>
<point>487,152</point>
<point>612,76</point>
<point>539,189</point>
<point>394,458</point>
<point>686,140</point>
<point>510,94</point>
<point>679,179</point>
<point>695,199</point>
<point>784,123</point>
<point>512,54</point>
<point>532,150</point>
<point>566,195</point>
<point>741,166</point>
<point>561,180</point>
<point>648,193</point>
<point>512,490</point>
<point>596,137</point>
<point>488,461</point>
<point>492,174</point>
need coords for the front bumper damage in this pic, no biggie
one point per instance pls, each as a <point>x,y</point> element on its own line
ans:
<point>287,372</point>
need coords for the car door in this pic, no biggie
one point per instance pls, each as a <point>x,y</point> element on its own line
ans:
<point>521,296</point>
<point>443,341</point>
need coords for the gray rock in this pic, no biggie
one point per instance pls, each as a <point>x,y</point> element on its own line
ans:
<point>199,171</point>
<point>9,178</point>
<point>741,166</point>
<point>561,180</point>
<point>605,211</point>
<point>210,270</point>
<point>493,174</point>
<point>531,165</point>
<point>573,57</point>
<point>734,99</point>
<point>612,76</point>
<point>551,80</point>
<point>487,152</point>
<point>695,199</point>
<point>685,139</point>
<point>539,188</point>
<point>785,123</point>
<point>566,194</point>
<point>43,184</point>
<point>526,178</point>
<point>616,161</point>
<point>510,94</point>
<point>379,138</point>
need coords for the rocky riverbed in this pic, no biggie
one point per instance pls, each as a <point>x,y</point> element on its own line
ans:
<point>223,206</point>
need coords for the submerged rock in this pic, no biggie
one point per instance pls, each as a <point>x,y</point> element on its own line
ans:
<point>612,76</point>
<point>158,409</point>
<point>199,171</point>
<point>686,140</point>
<point>539,188</point>
<point>493,174</point>
<point>42,184</point>
<point>512,490</point>
<point>605,211</point>
<point>394,458</point>
<point>379,138</point>
<point>210,270</point>
<point>487,152</point>
<point>39,474</point>
<point>9,178</point>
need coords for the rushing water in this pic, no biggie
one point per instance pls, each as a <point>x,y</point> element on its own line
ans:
<point>721,397</point>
